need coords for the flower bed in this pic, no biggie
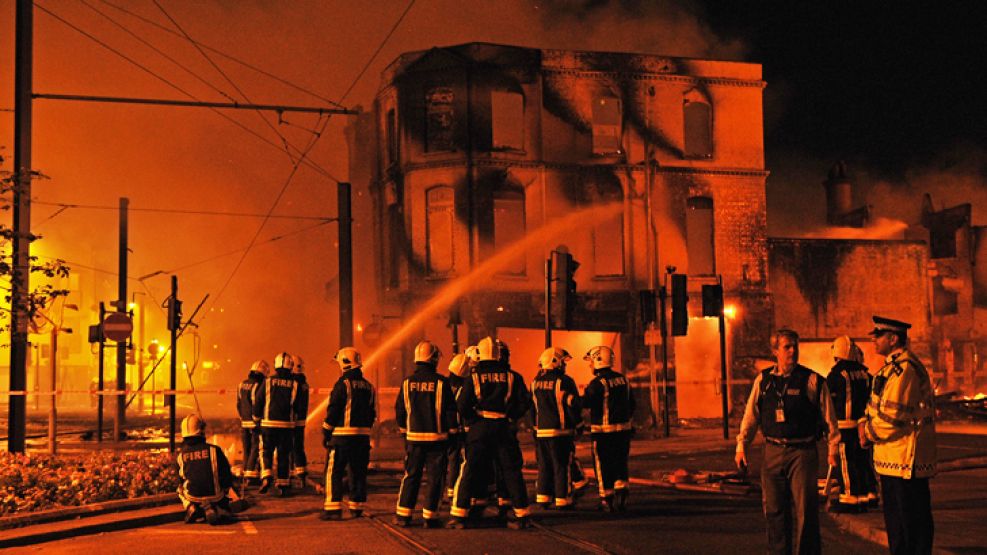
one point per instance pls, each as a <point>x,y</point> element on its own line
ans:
<point>37,482</point>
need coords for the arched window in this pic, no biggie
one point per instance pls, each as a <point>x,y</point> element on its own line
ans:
<point>508,223</point>
<point>507,120</point>
<point>606,125</point>
<point>697,116</point>
<point>699,236</point>
<point>440,218</point>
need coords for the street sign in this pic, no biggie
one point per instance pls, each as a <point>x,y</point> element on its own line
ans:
<point>117,326</point>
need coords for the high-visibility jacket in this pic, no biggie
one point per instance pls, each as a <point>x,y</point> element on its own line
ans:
<point>276,400</point>
<point>900,418</point>
<point>204,470</point>
<point>246,397</point>
<point>301,400</point>
<point>352,406</point>
<point>556,402</point>
<point>425,408</point>
<point>493,391</point>
<point>610,402</point>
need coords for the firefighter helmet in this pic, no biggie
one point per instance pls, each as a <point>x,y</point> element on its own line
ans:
<point>489,348</point>
<point>505,353</point>
<point>193,426</point>
<point>348,358</point>
<point>473,354</point>
<point>600,357</point>
<point>856,354</point>
<point>283,360</point>
<point>843,348</point>
<point>553,358</point>
<point>459,366</point>
<point>299,364</point>
<point>426,351</point>
<point>260,366</point>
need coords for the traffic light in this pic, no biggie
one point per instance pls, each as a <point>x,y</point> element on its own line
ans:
<point>680,301</point>
<point>648,309</point>
<point>565,287</point>
<point>174,314</point>
<point>712,300</point>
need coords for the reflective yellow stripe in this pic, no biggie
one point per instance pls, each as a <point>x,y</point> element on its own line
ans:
<point>407,405</point>
<point>426,436</point>
<point>550,432</point>
<point>350,431</point>
<point>349,403</point>
<point>607,428</point>
<point>438,407</point>
<point>491,414</point>
<point>276,424</point>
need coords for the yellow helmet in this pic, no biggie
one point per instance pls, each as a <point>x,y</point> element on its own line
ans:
<point>473,354</point>
<point>260,366</point>
<point>843,348</point>
<point>426,351</point>
<point>283,360</point>
<point>553,358</point>
<point>459,365</point>
<point>600,357</point>
<point>193,426</point>
<point>299,364</point>
<point>489,348</point>
<point>348,358</point>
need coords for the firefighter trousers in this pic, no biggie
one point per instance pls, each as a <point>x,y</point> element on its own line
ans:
<point>455,448</point>
<point>855,475</point>
<point>428,458</point>
<point>276,440</point>
<point>610,452</point>
<point>250,437</point>
<point>349,455</point>
<point>491,439</point>
<point>554,470</point>
<point>299,462</point>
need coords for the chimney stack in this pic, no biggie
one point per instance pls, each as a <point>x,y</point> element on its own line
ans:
<point>839,194</point>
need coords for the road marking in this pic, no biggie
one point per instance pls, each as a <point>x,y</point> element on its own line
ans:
<point>188,531</point>
<point>248,527</point>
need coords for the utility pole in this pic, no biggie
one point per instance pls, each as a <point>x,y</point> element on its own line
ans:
<point>53,410</point>
<point>121,303</point>
<point>548,300</point>
<point>174,320</point>
<point>20,245</point>
<point>102,358</point>
<point>345,238</point>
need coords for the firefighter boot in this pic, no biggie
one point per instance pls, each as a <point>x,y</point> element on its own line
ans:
<point>212,515</point>
<point>331,515</point>
<point>620,500</point>
<point>455,523</point>
<point>433,523</point>
<point>265,485</point>
<point>402,521</point>
<point>193,513</point>
<point>519,523</point>
<point>606,504</point>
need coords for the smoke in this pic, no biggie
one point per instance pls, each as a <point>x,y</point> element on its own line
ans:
<point>877,228</point>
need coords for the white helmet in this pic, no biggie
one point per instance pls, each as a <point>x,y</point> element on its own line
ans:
<point>299,364</point>
<point>348,358</point>
<point>426,351</point>
<point>193,426</point>
<point>489,348</point>
<point>600,357</point>
<point>843,348</point>
<point>260,366</point>
<point>283,360</point>
<point>473,354</point>
<point>553,358</point>
<point>459,365</point>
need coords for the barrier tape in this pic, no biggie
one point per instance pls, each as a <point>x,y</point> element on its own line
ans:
<point>115,392</point>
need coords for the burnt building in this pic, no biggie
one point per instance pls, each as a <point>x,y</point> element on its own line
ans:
<point>470,148</point>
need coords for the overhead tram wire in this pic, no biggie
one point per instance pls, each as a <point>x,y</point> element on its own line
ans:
<point>312,165</point>
<point>65,205</point>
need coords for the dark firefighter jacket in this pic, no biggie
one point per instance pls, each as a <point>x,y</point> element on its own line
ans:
<point>352,406</point>
<point>849,387</point>
<point>493,391</point>
<point>276,401</point>
<point>246,397</point>
<point>556,401</point>
<point>204,470</point>
<point>301,400</point>
<point>425,407</point>
<point>610,402</point>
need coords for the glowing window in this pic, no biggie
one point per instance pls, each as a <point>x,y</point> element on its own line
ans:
<point>606,125</point>
<point>699,236</point>
<point>508,220</point>
<point>698,123</point>
<point>507,120</point>
<point>439,229</point>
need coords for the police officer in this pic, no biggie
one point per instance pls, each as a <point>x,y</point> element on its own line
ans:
<point>557,411</point>
<point>346,433</point>
<point>493,397</point>
<point>205,474</point>
<point>246,397</point>
<point>426,413</point>
<point>900,424</point>
<point>610,402</point>
<point>849,387</point>
<point>459,368</point>
<point>276,408</point>
<point>299,462</point>
<point>791,404</point>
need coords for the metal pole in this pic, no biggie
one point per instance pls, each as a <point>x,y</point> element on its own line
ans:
<point>548,301</point>
<point>140,354</point>
<point>121,399</point>
<point>99,394</point>
<point>53,411</point>
<point>662,295</point>
<point>345,265</point>
<point>723,366</point>
<point>20,246</point>
<point>174,368</point>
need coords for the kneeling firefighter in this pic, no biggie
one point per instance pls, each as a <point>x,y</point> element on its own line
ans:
<point>205,474</point>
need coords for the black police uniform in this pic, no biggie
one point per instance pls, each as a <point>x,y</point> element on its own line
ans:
<point>557,412</point>
<point>611,405</point>
<point>299,462</point>
<point>849,387</point>
<point>206,478</point>
<point>346,432</point>
<point>246,397</point>
<point>426,414</point>
<point>492,398</point>
<point>276,409</point>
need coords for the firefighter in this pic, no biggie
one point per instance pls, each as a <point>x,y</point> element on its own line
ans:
<point>610,402</point>
<point>900,424</point>
<point>205,474</point>
<point>299,462</point>
<point>459,368</point>
<point>557,412</point>
<point>346,433</point>
<point>426,414</point>
<point>276,408</point>
<point>491,399</point>
<point>246,397</point>
<point>849,387</point>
